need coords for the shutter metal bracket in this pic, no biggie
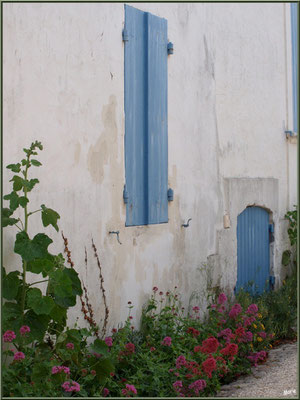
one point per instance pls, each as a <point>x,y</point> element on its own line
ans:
<point>170,48</point>
<point>125,35</point>
<point>170,194</point>
<point>125,195</point>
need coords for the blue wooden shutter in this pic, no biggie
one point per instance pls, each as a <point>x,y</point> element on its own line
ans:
<point>146,142</point>
<point>253,249</point>
<point>294,26</point>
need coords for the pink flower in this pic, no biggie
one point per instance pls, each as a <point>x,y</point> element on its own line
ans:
<point>252,309</point>
<point>59,369</point>
<point>248,336</point>
<point>152,348</point>
<point>70,346</point>
<point>19,356</point>
<point>198,385</point>
<point>177,385</point>
<point>235,311</point>
<point>105,392</point>
<point>9,336</point>
<point>131,388</point>
<point>68,387</point>
<point>155,289</point>
<point>262,334</point>
<point>167,341</point>
<point>196,309</point>
<point>24,329</point>
<point>222,298</point>
<point>181,360</point>
<point>108,340</point>
<point>93,372</point>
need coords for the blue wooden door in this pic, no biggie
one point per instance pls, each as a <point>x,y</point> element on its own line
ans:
<point>253,257</point>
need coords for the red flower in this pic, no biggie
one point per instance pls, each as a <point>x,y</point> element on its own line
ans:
<point>209,365</point>
<point>210,345</point>
<point>155,289</point>
<point>193,331</point>
<point>230,350</point>
<point>197,349</point>
<point>130,348</point>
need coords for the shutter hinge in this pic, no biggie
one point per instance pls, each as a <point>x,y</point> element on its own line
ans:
<point>125,195</point>
<point>125,35</point>
<point>170,48</point>
<point>170,194</point>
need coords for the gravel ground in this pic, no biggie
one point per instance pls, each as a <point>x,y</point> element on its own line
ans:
<point>277,378</point>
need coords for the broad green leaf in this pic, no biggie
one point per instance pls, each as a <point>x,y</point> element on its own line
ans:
<point>32,249</point>
<point>30,184</point>
<point>61,283</point>
<point>11,284</point>
<point>17,183</point>
<point>6,220</point>
<point>13,200</point>
<point>49,217</point>
<point>76,284</point>
<point>10,311</point>
<point>37,323</point>
<point>40,265</point>
<point>25,162</point>
<point>61,338</point>
<point>40,304</point>
<point>23,201</point>
<point>36,163</point>
<point>14,167</point>
<point>103,368</point>
<point>58,314</point>
<point>99,346</point>
<point>74,334</point>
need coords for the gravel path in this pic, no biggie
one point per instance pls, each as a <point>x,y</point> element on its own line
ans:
<point>277,378</point>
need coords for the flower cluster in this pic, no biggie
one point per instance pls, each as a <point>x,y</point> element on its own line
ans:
<point>235,311</point>
<point>256,357</point>
<point>129,388</point>
<point>209,346</point>
<point>167,341</point>
<point>58,369</point>
<point>209,365</point>
<point>193,331</point>
<point>71,387</point>
<point>9,336</point>
<point>19,356</point>
<point>24,330</point>
<point>108,340</point>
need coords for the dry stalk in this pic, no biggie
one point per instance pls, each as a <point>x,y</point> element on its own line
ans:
<point>102,289</point>
<point>88,312</point>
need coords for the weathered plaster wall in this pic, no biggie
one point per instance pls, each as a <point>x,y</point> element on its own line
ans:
<point>229,81</point>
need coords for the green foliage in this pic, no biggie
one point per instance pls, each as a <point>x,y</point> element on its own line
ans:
<point>37,318</point>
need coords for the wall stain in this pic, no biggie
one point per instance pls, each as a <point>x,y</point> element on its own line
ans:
<point>103,151</point>
<point>77,153</point>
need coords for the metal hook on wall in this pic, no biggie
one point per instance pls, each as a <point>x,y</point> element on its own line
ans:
<point>187,224</point>
<point>116,233</point>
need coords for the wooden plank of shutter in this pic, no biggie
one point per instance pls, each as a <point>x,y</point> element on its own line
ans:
<point>157,119</point>
<point>135,98</point>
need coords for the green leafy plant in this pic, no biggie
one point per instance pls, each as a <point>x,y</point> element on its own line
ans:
<point>26,304</point>
<point>42,357</point>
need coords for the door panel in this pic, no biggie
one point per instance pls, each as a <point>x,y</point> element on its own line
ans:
<point>253,250</point>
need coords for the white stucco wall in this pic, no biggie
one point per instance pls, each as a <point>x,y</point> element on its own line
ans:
<point>229,85</point>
